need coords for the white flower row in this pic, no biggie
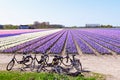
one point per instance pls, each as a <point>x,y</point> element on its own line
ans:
<point>8,42</point>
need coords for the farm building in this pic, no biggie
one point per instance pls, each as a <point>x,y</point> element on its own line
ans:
<point>24,27</point>
<point>1,26</point>
<point>56,26</point>
<point>93,25</point>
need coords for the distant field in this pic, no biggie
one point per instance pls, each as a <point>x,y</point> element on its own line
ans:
<point>85,42</point>
<point>57,41</point>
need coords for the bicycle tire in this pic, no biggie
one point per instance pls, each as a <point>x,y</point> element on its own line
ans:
<point>28,58</point>
<point>58,70</point>
<point>10,65</point>
<point>78,67</point>
<point>39,68</point>
<point>32,65</point>
<point>64,62</point>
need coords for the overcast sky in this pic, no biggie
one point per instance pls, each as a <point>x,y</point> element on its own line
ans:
<point>66,12</point>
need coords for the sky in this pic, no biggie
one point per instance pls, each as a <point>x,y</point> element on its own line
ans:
<point>65,12</point>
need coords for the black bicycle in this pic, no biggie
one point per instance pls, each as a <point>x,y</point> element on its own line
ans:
<point>56,65</point>
<point>73,62</point>
<point>26,61</point>
<point>42,62</point>
<point>57,60</point>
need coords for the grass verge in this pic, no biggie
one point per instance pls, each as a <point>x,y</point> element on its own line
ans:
<point>13,75</point>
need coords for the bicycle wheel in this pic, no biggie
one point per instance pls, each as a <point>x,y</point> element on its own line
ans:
<point>66,62</point>
<point>28,61</point>
<point>40,67</point>
<point>10,65</point>
<point>78,65</point>
<point>58,69</point>
<point>32,65</point>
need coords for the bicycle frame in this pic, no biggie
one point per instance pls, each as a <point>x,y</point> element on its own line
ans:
<point>14,58</point>
<point>19,62</point>
<point>42,61</point>
<point>38,61</point>
<point>35,58</point>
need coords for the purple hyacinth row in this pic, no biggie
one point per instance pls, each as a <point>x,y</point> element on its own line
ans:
<point>96,38</point>
<point>108,33</point>
<point>103,38</point>
<point>38,43</point>
<point>23,46</point>
<point>70,45</point>
<point>94,45</point>
<point>84,48</point>
<point>47,45</point>
<point>107,45</point>
<point>58,46</point>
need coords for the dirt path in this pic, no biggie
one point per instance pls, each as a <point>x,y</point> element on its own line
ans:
<point>106,64</point>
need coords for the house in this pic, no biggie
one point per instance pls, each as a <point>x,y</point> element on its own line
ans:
<point>1,27</point>
<point>92,25</point>
<point>56,26</point>
<point>24,27</point>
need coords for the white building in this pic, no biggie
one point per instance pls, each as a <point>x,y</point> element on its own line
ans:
<point>92,25</point>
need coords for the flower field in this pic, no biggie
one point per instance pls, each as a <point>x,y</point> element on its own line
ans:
<point>56,41</point>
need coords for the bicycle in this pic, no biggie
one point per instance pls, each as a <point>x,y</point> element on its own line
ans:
<point>72,62</point>
<point>26,60</point>
<point>56,65</point>
<point>43,61</point>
